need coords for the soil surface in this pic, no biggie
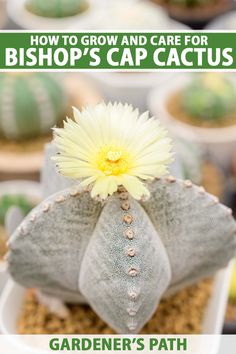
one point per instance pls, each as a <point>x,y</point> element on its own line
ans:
<point>25,146</point>
<point>179,314</point>
<point>231,312</point>
<point>175,108</point>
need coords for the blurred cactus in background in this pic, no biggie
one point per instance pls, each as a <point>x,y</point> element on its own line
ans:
<point>7,201</point>
<point>56,8</point>
<point>209,97</point>
<point>190,160</point>
<point>30,104</point>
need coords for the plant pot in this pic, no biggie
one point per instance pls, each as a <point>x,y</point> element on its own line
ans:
<point>230,318</point>
<point>24,19</point>
<point>132,88</point>
<point>229,328</point>
<point>31,190</point>
<point>218,143</point>
<point>199,16</point>
<point>26,164</point>
<point>13,297</point>
<point>134,15</point>
<point>224,22</point>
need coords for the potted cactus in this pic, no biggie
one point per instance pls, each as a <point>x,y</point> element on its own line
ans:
<point>195,13</point>
<point>202,111</point>
<point>31,104</point>
<point>120,236</point>
<point>21,194</point>
<point>53,14</point>
<point>209,101</point>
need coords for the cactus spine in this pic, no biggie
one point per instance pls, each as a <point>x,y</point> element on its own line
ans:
<point>30,105</point>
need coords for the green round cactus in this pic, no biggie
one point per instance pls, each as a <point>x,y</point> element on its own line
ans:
<point>30,104</point>
<point>209,98</point>
<point>56,8</point>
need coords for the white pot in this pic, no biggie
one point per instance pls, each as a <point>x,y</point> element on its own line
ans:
<point>24,19</point>
<point>13,297</point>
<point>223,22</point>
<point>218,143</point>
<point>132,88</point>
<point>3,16</point>
<point>31,190</point>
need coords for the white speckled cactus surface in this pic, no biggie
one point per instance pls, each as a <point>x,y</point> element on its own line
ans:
<point>100,241</point>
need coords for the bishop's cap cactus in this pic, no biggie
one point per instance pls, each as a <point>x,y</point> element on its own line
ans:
<point>123,255</point>
<point>56,8</point>
<point>30,104</point>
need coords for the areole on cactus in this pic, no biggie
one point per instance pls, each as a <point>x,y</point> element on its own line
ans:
<point>30,104</point>
<point>120,253</point>
<point>56,8</point>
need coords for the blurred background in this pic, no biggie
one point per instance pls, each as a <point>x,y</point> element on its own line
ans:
<point>199,110</point>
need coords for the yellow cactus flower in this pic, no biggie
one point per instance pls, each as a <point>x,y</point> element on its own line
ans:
<point>112,145</point>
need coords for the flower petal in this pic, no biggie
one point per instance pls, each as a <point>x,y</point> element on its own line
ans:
<point>111,145</point>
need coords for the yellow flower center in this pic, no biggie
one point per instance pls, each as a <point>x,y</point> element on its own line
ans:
<point>113,160</point>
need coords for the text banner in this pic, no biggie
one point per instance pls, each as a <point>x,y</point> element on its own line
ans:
<point>117,51</point>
